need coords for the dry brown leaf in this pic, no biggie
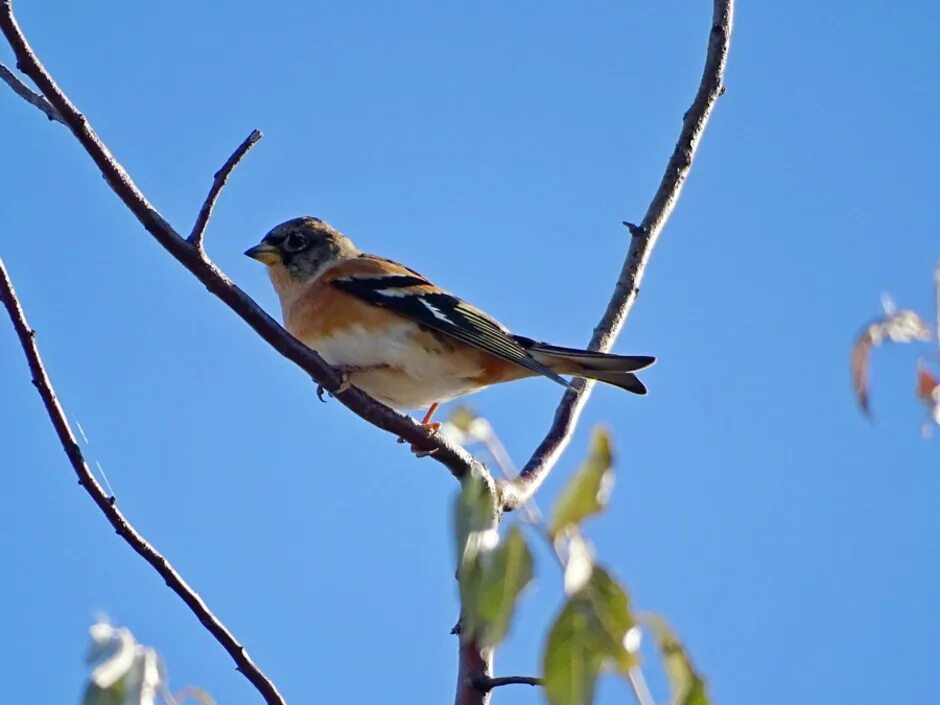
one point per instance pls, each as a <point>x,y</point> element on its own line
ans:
<point>928,391</point>
<point>903,326</point>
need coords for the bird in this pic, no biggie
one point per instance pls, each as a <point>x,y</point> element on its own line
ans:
<point>398,337</point>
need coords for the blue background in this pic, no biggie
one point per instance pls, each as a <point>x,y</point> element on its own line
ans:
<point>792,544</point>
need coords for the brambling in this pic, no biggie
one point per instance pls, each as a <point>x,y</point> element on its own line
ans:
<point>400,338</point>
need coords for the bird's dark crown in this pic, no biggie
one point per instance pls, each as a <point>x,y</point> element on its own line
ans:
<point>306,245</point>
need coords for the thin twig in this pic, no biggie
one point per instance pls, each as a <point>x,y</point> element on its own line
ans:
<point>492,442</point>
<point>106,504</point>
<point>218,183</point>
<point>421,438</point>
<point>487,684</point>
<point>23,91</point>
<point>643,240</point>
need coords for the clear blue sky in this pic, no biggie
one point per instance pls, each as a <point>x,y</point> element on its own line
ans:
<point>496,149</point>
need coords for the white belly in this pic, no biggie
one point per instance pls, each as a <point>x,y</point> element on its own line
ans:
<point>404,375</point>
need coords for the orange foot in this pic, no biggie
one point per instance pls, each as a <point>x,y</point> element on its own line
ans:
<point>434,427</point>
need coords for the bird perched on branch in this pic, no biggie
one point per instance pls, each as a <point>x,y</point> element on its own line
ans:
<point>400,338</point>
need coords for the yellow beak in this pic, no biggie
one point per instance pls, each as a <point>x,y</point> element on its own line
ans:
<point>263,252</point>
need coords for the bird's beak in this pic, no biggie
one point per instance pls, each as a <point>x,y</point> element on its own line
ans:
<point>263,252</point>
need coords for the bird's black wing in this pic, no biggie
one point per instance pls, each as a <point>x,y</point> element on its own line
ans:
<point>412,296</point>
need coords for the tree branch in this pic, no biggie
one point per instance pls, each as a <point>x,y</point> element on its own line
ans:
<point>643,240</point>
<point>23,91</point>
<point>422,439</point>
<point>218,183</point>
<point>474,665</point>
<point>487,684</point>
<point>106,504</point>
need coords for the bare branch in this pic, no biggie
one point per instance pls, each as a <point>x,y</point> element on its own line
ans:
<point>644,238</point>
<point>422,439</point>
<point>23,91</point>
<point>485,685</point>
<point>218,183</point>
<point>473,666</point>
<point>108,507</point>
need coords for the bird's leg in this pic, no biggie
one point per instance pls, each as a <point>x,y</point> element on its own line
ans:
<point>433,427</point>
<point>426,421</point>
<point>345,371</point>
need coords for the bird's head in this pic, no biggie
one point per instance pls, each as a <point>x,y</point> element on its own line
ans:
<point>303,247</point>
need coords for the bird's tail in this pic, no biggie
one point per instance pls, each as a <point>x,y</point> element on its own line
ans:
<point>612,369</point>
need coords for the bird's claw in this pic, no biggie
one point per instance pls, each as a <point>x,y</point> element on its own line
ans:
<point>432,427</point>
<point>419,453</point>
<point>344,383</point>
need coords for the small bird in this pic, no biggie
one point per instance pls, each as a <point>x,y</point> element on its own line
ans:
<point>400,338</point>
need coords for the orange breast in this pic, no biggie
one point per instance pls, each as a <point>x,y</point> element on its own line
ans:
<point>400,362</point>
<point>323,310</point>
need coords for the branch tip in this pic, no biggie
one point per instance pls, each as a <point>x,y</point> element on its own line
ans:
<point>635,230</point>
<point>27,94</point>
<point>484,684</point>
<point>218,183</point>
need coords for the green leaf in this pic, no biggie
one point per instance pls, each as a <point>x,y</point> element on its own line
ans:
<point>462,418</point>
<point>686,685</point>
<point>587,492</point>
<point>126,672</point>
<point>475,533</point>
<point>572,662</point>
<point>579,564</point>
<point>95,695</point>
<point>587,636</point>
<point>611,611</point>
<point>474,515</point>
<point>506,571</point>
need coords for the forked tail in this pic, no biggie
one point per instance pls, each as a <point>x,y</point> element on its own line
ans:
<point>611,369</point>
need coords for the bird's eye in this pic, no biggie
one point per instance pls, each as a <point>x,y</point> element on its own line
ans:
<point>295,242</point>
